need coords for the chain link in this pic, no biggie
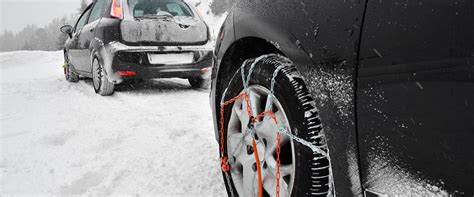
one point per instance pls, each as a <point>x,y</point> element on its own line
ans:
<point>224,160</point>
<point>313,147</point>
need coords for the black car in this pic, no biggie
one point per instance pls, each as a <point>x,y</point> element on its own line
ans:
<point>117,40</point>
<point>346,98</point>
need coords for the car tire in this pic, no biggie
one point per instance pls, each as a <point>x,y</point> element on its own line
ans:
<point>69,74</point>
<point>101,83</point>
<point>199,82</point>
<point>312,172</point>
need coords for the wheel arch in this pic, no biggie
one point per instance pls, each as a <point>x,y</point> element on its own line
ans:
<point>98,52</point>
<point>251,44</point>
<point>239,51</point>
<point>256,43</point>
<point>94,49</point>
<point>253,36</point>
<point>235,54</point>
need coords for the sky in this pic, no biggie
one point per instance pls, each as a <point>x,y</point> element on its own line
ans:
<point>16,14</point>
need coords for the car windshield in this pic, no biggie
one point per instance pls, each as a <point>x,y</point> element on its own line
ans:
<point>159,8</point>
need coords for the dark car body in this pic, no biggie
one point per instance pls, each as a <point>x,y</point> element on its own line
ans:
<point>125,42</point>
<point>393,81</point>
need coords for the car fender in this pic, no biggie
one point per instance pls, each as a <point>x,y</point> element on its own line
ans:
<point>261,27</point>
<point>252,27</point>
<point>105,53</point>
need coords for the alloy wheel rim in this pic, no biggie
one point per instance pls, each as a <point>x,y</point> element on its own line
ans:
<point>240,151</point>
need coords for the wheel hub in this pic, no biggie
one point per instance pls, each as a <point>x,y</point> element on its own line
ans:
<point>240,136</point>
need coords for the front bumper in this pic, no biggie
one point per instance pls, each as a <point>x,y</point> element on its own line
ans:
<point>120,57</point>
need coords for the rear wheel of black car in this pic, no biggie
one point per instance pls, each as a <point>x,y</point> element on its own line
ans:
<point>199,82</point>
<point>101,83</point>
<point>303,172</point>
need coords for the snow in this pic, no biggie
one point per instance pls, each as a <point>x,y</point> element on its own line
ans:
<point>332,86</point>
<point>60,138</point>
<point>386,175</point>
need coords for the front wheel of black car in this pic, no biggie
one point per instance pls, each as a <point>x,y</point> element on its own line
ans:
<point>69,73</point>
<point>101,83</point>
<point>199,82</point>
<point>303,171</point>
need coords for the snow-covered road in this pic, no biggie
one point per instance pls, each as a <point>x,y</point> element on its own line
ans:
<point>60,138</point>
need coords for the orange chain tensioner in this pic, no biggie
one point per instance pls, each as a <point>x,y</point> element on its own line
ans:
<point>224,159</point>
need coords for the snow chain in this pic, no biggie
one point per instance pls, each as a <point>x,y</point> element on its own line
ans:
<point>225,167</point>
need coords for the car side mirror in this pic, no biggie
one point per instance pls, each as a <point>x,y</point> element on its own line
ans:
<point>67,29</point>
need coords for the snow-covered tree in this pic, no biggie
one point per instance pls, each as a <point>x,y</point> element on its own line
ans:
<point>33,37</point>
<point>7,41</point>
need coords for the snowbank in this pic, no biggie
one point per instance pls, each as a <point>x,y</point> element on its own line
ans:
<point>59,138</point>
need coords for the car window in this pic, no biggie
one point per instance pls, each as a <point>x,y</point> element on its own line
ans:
<point>97,10</point>
<point>82,21</point>
<point>140,8</point>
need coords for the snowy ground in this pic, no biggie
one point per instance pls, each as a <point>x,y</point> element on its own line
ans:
<point>59,138</point>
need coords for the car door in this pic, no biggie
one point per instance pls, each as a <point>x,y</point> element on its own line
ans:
<point>88,33</point>
<point>415,97</point>
<point>76,49</point>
